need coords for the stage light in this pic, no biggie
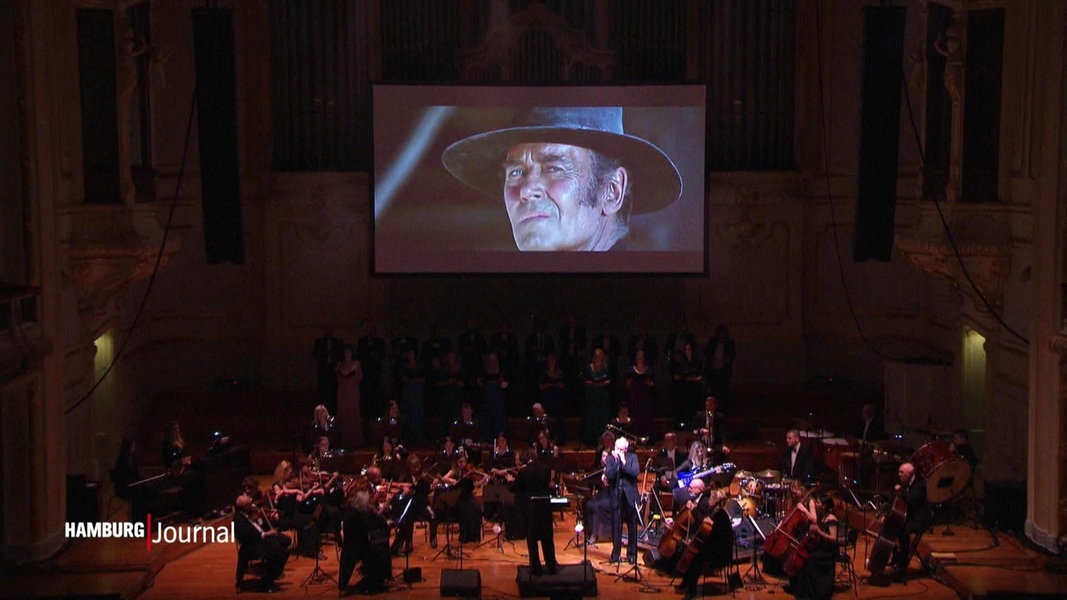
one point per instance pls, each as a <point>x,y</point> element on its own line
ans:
<point>578,527</point>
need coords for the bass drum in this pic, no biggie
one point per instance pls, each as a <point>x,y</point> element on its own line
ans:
<point>946,472</point>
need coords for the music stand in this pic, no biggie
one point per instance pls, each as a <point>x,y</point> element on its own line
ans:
<point>445,504</point>
<point>318,575</point>
<point>753,572</point>
<point>576,485</point>
<point>407,555</point>
<point>497,492</point>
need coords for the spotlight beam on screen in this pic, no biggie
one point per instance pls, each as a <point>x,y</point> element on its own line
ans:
<point>410,155</point>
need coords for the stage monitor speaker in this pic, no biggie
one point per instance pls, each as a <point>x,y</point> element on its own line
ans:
<point>413,575</point>
<point>461,583</point>
<point>216,100</point>
<point>876,187</point>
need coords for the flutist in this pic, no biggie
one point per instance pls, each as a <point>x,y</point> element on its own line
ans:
<point>621,472</point>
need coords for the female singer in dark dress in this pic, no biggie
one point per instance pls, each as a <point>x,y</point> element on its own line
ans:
<point>640,395</point>
<point>552,391</point>
<point>596,408</point>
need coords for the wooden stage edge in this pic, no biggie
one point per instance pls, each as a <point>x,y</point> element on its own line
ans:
<point>972,563</point>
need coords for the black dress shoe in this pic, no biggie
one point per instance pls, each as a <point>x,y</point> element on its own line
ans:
<point>614,559</point>
<point>632,560</point>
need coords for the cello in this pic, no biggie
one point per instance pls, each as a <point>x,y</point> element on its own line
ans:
<point>783,540</point>
<point>892,525</point>
<point>668,544</point>
<point>694,547</point>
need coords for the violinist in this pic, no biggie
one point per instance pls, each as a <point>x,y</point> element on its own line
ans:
<point>318,486</point>
<point>816,578</point>
<point>260,540</point>
<point>388,459</point>
<point>287,497</point>
<point>379,491</point>
<point>716,549</point>
<point>410,505</point>
<point>466,511</point>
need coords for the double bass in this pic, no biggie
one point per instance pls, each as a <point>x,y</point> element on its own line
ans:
<point>892,525</point>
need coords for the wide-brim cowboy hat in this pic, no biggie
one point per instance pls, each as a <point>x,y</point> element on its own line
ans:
<point>654,179</point>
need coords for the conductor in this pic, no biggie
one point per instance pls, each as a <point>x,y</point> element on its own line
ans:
<point>532,491</point>
<point>621,472</point>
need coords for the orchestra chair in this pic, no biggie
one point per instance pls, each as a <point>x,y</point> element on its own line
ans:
<point>244,558</point>
<point>846,560</point>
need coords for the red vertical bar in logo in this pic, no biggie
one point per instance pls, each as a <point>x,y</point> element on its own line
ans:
<point>148,532</point>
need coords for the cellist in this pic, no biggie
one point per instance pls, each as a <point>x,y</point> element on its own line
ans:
<point>818,551</point>
<point>715,547</point>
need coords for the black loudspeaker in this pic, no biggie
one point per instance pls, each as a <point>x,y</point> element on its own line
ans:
<point>413,575</point>
<point>216,100</point>
<point>883,76</point>
<point>461,583</point>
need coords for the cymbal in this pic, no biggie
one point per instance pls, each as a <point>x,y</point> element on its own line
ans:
<point>768,474</point>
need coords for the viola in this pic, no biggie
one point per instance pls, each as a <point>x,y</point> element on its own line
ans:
<point>889,532</point>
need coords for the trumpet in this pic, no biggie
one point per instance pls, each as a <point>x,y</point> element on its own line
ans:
<point>619,431</point>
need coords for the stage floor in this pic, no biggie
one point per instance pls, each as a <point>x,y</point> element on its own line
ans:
<point>972,563</point>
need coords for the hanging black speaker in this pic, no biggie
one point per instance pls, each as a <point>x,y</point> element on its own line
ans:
<point>876,188</point>
<point>216,100</point>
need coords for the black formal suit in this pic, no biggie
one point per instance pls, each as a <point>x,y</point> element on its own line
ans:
<point>716,551</point>
<point>532,488</point>
<point>272,549</point>
<point>872,431</point>
<point>622,490</point>
<point>803,468</point>
<point>915,522</point>
<point>366,539</point>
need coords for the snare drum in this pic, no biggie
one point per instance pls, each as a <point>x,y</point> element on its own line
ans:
<point>946,472</point>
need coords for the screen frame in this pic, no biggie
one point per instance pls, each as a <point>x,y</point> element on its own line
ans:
<point>539,264</point>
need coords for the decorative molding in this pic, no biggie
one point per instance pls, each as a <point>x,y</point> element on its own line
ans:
<point>982,235</point>
<point>110,248</point>
<point>503,43</point>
